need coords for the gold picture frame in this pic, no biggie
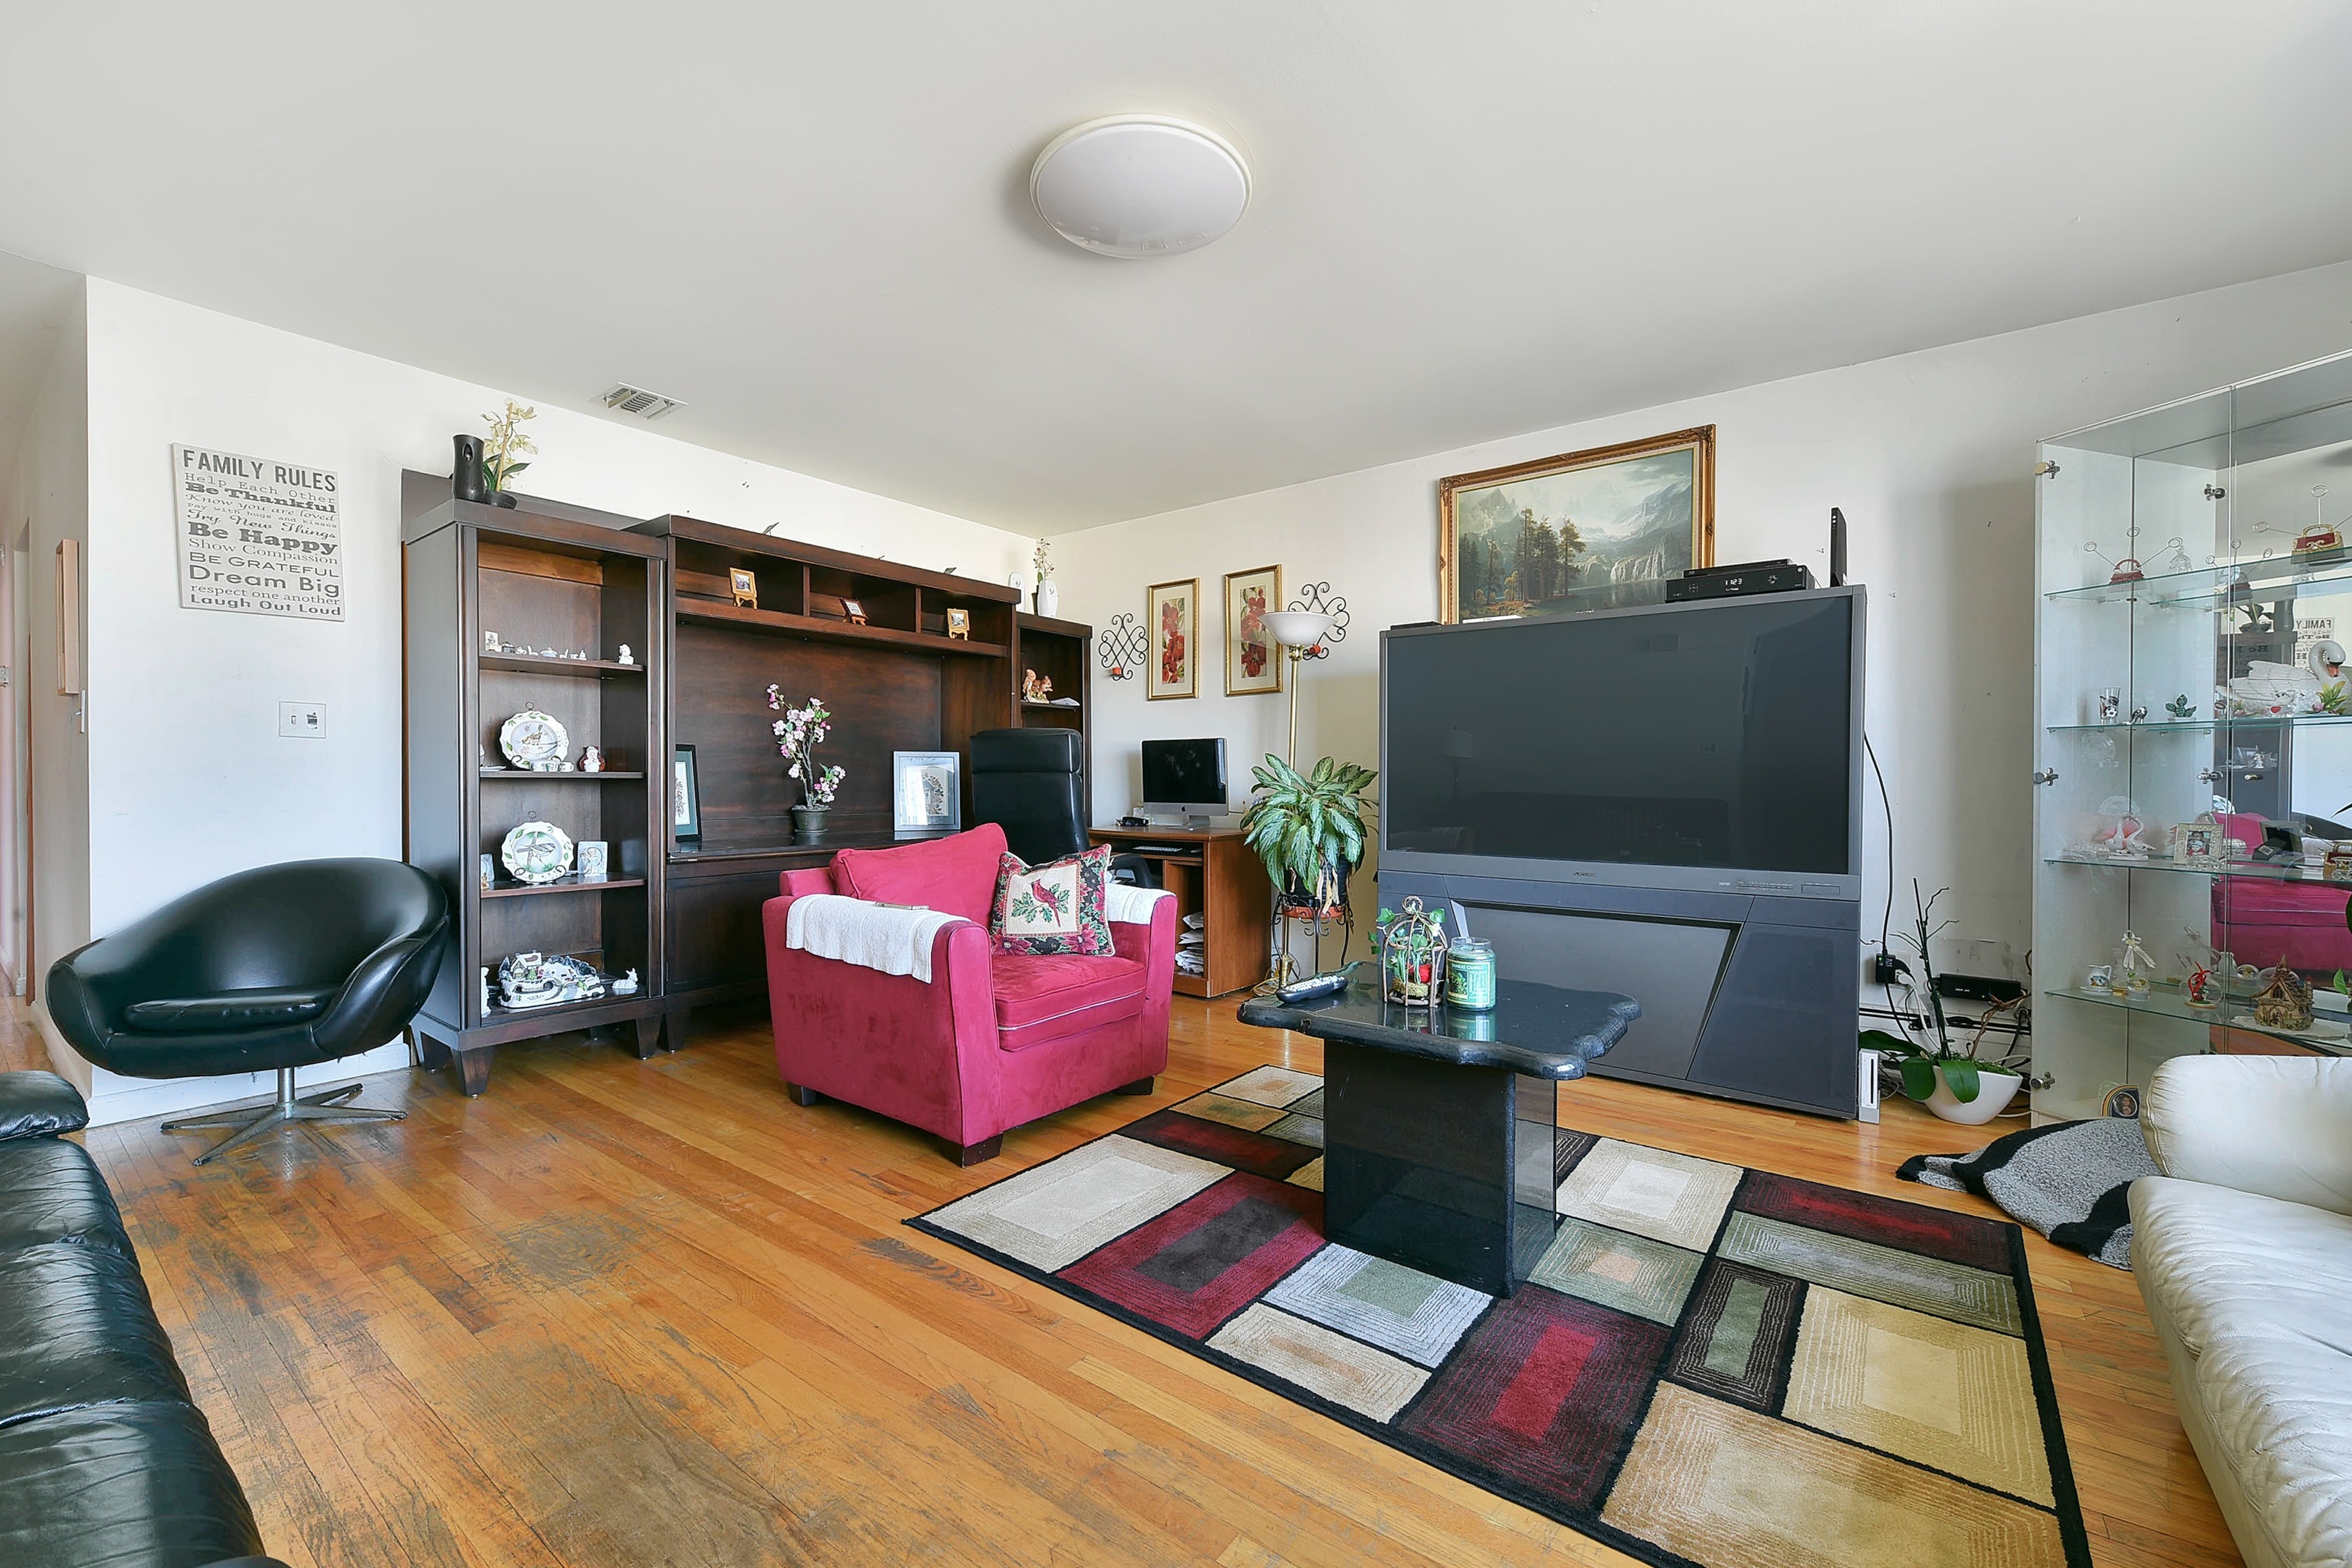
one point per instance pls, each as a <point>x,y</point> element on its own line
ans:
<point>959,622</point>
<point>1172,612</point>
<point>1638,529</point>
<point>743,586</point>
<point>1250,597</point>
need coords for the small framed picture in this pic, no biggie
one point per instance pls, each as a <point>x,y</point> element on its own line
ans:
<point>928,795</point>
<point>1172,610</point>
<point>2121,1100</point>
<point>2196,843</point>
<point>490,871</point>
<point>684,798</point>
<point>1253,664</point>
<point>744,586</point>
<point>589,860</point>
<point>960,625</point>
<point>854,611</point>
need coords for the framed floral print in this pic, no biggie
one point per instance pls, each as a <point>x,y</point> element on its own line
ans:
<point>1172,610</point>
<point>1253,664</point>
<point>1585,530</point>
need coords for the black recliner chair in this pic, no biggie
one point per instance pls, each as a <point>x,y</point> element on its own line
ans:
<point>274,968</point>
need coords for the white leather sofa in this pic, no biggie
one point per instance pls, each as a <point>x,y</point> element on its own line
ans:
<point>2242,1249</point>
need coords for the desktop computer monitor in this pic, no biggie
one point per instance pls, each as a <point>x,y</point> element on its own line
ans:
<point>1187,776</point>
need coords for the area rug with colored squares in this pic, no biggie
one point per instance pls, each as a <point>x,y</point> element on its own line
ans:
<point>1710,1365</point>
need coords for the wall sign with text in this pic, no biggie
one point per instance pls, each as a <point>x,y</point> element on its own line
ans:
<point>256,536</point>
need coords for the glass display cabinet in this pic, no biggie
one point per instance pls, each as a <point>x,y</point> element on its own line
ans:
<point>2193,771</point>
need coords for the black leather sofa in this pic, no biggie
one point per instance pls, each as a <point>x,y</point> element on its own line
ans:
<point>105,1462</point>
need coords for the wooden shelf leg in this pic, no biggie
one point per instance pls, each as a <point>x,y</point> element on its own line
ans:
<point>473,1068</point>
<point>648,1036</point>
<point>431,1053</point>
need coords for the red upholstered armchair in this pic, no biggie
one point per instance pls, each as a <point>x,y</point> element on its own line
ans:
<point>992,1040</point>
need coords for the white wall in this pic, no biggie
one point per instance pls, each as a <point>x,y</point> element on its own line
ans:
<point>1928,454</point>
<point>188,779</point>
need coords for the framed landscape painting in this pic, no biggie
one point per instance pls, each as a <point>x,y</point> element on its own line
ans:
<point>1585,530</point>
<point>1253,664</point>
<point>1172,610</point>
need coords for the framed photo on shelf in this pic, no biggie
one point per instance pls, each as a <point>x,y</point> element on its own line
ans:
<point>853,610</point>
<point>744,586</point>
<point>1596,529</point>
<point>684,798</point>
<point>1253,664</point>
<point>960,625</point>
<point>2197,844</point>
<point>927,794</point>
<point>1172,610</point>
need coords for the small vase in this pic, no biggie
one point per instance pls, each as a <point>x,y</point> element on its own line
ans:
<point>808,824</point>
<point>1049,598</point>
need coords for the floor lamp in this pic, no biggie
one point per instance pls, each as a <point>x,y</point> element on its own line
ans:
<point>1300,632</point>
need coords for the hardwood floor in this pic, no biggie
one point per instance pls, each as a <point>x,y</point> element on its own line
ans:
<point>618,1312</point>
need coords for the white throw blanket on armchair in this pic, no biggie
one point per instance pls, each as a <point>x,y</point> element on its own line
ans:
<point>871,936</point>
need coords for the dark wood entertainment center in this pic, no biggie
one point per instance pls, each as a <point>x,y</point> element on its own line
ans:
<point>896,682</point>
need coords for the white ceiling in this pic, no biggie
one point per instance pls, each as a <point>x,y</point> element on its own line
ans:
<point>1468,220</point>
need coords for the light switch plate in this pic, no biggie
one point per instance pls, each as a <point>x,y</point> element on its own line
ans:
<point>302,721</point>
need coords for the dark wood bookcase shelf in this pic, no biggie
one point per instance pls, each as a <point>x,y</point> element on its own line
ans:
<point>685,917</point>
<point>547,576</point>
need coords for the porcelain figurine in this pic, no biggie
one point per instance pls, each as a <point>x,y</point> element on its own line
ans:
<point>592,759</point>
<point>627,986</point>
<point>624,658</point>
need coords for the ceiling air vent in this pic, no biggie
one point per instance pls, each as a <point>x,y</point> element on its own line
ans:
<point>622,398</point>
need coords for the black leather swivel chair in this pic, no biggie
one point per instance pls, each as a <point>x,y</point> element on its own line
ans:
<point>274,968</point>
<point>1031,783</point>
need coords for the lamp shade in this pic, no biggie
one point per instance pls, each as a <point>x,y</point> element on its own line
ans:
<point>1298,628</point>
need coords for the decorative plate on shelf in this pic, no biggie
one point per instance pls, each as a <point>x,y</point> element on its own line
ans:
<point>532,737</point>
<point>536,853</point>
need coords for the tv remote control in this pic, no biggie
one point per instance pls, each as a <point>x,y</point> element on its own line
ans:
<point>1317,987</point>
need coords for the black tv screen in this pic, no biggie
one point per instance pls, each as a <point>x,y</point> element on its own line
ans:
<point>1184,772</point>
<point>1716,734</point>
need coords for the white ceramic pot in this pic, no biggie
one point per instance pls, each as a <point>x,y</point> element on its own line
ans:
<point>1049,598</point>
<point>1994,1091</point>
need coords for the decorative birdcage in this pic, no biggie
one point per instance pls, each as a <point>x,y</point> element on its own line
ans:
<point>1412,955</point>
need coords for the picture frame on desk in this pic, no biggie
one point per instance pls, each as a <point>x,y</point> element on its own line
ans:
<point>685,797</point>
<point>927,794</point>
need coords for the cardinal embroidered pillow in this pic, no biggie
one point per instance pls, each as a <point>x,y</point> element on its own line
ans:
<point>1052,908</point>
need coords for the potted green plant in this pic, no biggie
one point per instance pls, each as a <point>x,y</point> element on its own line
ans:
<point>1943,1075</point>
<point>1309,828</point>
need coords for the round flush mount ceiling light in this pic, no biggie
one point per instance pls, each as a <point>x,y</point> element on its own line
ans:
<point>1138,185</point>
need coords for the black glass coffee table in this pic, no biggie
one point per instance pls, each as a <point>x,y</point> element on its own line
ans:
<point>1441,1128</point>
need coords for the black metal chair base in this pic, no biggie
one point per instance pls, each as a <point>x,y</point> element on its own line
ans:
<point>249,1122</point>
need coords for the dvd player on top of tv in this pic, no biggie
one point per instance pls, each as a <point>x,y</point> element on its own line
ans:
<point>1748,577</point>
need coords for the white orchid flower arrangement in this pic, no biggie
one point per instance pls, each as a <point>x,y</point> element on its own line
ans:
<point>798,735</point>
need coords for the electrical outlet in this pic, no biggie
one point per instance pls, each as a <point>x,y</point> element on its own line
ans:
<point>1886,969</point>
<point>302,721</point>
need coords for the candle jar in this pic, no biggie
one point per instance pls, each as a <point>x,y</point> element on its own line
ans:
<point>1470,976</point>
